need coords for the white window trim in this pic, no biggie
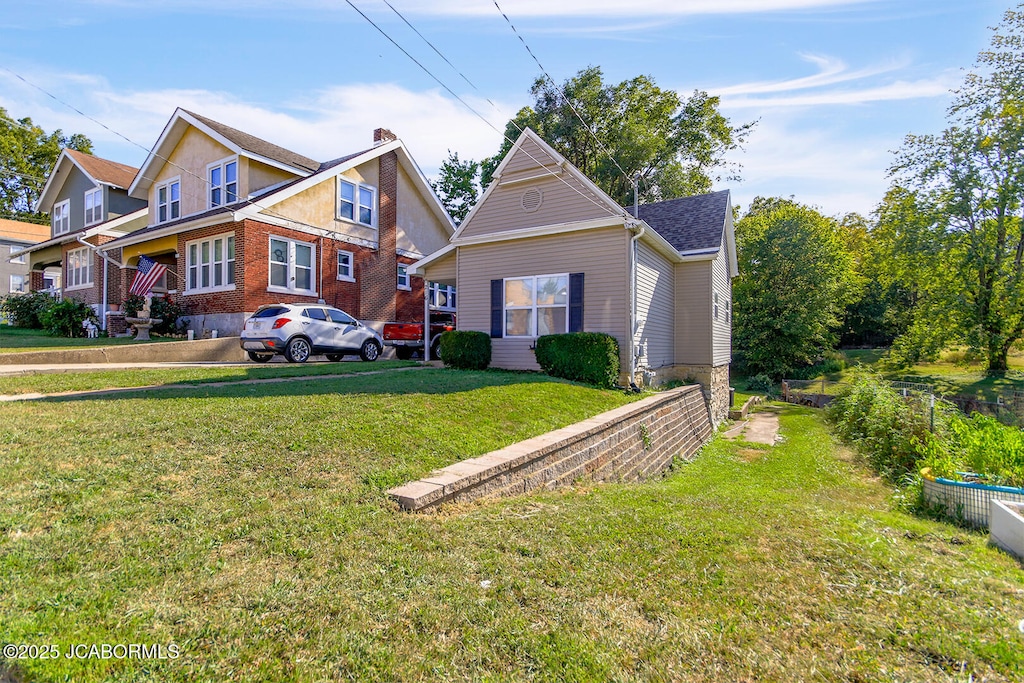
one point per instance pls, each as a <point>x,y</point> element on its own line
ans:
<point>533,319</point>
<point>291,266</point>
<point>24,284</point>
<point>450,291</point>
<point>66,213</point>
<point>351,266</point>
<point>97,210</point>
<point>88,270</point>
<point>227,267</point>
<point>375,208</point>
<point>18,260</point>
<point>408,278</point>
<point>156,200</point>
<point>223,185</point>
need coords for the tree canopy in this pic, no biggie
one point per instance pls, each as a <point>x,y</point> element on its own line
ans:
<point>966,188</point>
<point>456,186</point>
<point>615,132</point>
<point>27,155</point>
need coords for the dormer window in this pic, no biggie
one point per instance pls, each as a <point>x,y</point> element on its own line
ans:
<point>94,206</point>
<point>168,201</point>
<point>61,217</point>
<point>223,177</point>
<point>357,202</point>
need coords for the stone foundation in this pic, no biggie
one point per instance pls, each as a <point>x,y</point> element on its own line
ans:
<point>629,443</point>
<point>226,324</point>
<point>713,380</point>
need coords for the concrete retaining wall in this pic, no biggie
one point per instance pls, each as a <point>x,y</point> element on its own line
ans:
<point>224,349</point>
<point>630,443</point>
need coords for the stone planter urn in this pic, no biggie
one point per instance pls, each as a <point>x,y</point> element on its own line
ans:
<point>143,322</point>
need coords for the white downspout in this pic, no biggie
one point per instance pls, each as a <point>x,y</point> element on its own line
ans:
<point>106,262</point>
<point>633,297</point>
<point>426,319</point>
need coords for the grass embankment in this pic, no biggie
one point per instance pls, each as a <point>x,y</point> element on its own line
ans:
<point>20,340</point>
<point>89,380</point>
<point>249,526</point>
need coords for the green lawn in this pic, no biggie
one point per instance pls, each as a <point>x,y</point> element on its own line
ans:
<point>249,526</point>
<point>19,340</point>
<point>88,380</point>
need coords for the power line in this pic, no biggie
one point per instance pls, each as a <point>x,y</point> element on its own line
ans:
<point>8,172</point>
<point>562,93</point>
<point>471,109</point>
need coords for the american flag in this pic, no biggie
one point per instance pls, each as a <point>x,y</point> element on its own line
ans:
<point>148,273</point>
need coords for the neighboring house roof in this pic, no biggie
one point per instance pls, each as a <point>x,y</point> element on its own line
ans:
<point>238,141</point>
<point>20,231</point>
<point>690,224</point>
<point>114,227</point>
<point>98,171</point>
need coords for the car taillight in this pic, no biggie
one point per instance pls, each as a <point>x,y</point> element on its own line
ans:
<point>280,322</point>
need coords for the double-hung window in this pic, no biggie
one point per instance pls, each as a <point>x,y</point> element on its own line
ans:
<point>94,206</point>
<point>403,277</point>
<point>536,305</point>
<point>357,202</point>
<point>292,264</point>
<point>19,284</point>
<point>346,266</point>
<point>210,264</point>
<point>168,201</point>
<point>61,217</point>
<point>223,177</point>
<point>442,297</point>
<point>79,268</point>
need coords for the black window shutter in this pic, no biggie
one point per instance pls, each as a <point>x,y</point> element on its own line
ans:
<point>497,309</point>
<point>576,302</point>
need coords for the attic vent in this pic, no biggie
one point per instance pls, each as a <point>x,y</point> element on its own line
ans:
<point>531,200</point>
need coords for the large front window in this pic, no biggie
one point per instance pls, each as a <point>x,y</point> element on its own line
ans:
<point>61,217</point>
<point>223,183</point>
<point>168,201</point>
<point>93,206</point>
<point>210,264</point>
<point>291,266</point>
<point>357,202</point>
<point>442,297</point>
<point>536,305</point>
<point>79,268</point>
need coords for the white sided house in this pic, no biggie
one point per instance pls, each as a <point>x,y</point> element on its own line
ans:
<point>545,251</point>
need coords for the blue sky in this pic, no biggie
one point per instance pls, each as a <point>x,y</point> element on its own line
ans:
<point>835,85</point>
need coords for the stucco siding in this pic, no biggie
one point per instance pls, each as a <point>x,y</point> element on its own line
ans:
<point>693,313</point>
<point>419,228</point>
<point>259,176</point>
<point>600,254</point>
<point>721,325</point>
<point>193,152</point>
<point>655,282</point>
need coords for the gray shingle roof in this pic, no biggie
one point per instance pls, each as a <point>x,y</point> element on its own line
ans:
<point>255,145</point>
<point>689,223</point>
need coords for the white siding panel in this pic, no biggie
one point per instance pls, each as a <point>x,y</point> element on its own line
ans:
<point>693,313</point>
<point>655,311</point>
<point>721,327</point>
<point>600,254</point>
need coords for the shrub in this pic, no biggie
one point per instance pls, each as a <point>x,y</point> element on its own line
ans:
<point>466,349</point>
<point>64,318</point>
<point>762,384</point>
<point>591,357</point>
<point>830,363</point>
<point>24,310</point>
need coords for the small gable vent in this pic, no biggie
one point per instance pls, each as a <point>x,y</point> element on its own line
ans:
<point>531,200</point>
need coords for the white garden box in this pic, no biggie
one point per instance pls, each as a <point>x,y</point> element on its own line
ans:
<point>1006,526</point>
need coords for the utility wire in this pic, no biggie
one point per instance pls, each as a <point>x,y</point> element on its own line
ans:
<point>472,110</point>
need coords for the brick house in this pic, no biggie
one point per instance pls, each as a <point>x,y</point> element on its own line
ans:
<point>241,222</point>
<point>87,199</point>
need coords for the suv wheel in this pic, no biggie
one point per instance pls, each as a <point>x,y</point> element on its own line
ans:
<point>370,350</point>
<point>298,350</point>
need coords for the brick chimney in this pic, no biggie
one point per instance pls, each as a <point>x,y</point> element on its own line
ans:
<point>378,275</point>
<point>382,135</point>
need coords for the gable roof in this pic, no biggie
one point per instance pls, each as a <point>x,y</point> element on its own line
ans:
<point>238,141</point>
<point>690,224</point>
<point>99,171</point>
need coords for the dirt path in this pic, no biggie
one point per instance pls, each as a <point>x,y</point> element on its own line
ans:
<point>761,427</point>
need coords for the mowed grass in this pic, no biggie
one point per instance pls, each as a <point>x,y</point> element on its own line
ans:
<point>90,380</point>
<point>20,340</point>
<point>249,526</point>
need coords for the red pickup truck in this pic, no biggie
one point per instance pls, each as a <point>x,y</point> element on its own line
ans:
<point>407,338</point>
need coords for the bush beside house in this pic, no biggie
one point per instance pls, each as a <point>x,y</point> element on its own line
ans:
<point>591,357</point>
<point>466,349</point>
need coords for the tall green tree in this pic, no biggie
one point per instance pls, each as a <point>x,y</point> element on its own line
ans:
<point>456,186</point>
<point>969,182</point>
<point>677,147</point>
<point>27,155</point>
<point>796,277</point>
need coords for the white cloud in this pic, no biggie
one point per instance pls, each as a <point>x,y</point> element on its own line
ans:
<point>831,70</point>
<point>898,90</point>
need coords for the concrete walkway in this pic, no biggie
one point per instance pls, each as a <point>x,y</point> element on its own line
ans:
<point>761,427</point>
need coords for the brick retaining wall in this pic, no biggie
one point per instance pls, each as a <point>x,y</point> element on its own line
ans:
<point>629,443</point>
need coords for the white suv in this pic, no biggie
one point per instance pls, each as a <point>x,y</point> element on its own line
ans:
<point>302,330</point>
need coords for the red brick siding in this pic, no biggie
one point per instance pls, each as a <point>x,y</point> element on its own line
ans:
<point>35,281</point>
<point>90,295</point>
<point>231,301</point>
<point>409,304</point>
